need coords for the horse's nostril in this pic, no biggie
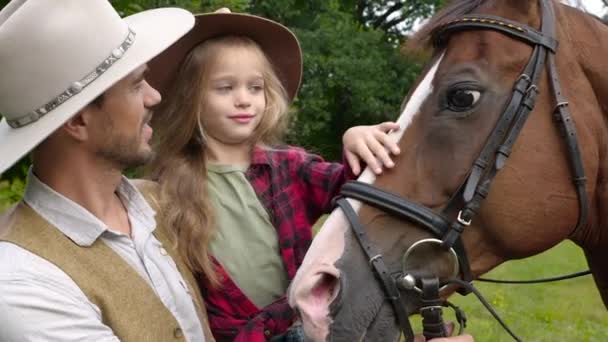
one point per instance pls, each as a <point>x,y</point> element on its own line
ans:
<point>313,299</point>
<point>325,289</point>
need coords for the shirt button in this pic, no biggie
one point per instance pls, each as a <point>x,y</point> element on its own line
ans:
<point>163,251</point>
<point>178,333</point>
<point>267,332</point>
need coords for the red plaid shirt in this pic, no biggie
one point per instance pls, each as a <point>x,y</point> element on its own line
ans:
<point>296,188</point>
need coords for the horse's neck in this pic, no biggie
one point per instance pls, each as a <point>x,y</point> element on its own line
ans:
<point>582,59</point>
<point>587,38</point>
<point>590,43</point>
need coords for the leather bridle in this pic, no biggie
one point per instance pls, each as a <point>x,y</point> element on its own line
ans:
<point>461,209</point>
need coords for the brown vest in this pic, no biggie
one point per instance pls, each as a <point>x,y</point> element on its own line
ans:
<point>129,306</point>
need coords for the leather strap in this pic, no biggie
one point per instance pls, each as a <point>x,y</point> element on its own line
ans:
<point>377,263</point>
<point>404,209</point>
<point>490,22</point>
<point>431,309</point>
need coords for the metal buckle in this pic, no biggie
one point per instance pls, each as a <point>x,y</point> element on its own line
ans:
<point>532,87</point>
<point>374,258</point>
<point>463,221</point>
<point>561,104</point>
<point>431,307</point>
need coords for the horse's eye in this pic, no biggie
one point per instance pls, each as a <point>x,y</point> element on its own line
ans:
<point>460,100</point>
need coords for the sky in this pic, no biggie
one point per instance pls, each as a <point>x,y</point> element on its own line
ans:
<point>594,6</point>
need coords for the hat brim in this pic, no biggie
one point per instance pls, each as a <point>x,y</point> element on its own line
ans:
<point>278,43</point>
<point>155,30</point>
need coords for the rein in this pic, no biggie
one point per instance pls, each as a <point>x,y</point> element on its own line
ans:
<point>458,214</point>
<point>536,281</point>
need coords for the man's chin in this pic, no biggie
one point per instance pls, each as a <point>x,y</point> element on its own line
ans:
<point>134,161</point>
<point>145,157</point>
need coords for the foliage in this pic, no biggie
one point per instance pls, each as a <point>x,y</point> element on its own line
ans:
<point>352,76</point>
<point>128,7</point>
<point>394,17</point>
<point>12,184</point>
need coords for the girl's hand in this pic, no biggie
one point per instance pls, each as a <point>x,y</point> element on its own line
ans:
<point>372,145</point>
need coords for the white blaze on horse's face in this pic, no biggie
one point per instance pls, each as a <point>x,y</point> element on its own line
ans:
<point>315,285</point>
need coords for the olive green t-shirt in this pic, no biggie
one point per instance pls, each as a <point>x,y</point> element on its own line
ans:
<point>246,242</point>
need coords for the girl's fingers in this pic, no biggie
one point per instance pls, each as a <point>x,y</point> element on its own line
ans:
<point>379,152</point>
<point>353,162</point>
<point>388,126</point>
<point>368,157</point>
<point>389,143</point>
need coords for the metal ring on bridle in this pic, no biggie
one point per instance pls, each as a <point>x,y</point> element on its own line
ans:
<point>417,244</point>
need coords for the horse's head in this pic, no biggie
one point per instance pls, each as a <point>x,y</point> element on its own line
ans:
<point>485,77</point>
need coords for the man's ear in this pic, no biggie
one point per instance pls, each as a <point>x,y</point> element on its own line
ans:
<point>78,126</point>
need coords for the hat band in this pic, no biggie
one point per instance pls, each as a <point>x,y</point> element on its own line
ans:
<point>75,87</point>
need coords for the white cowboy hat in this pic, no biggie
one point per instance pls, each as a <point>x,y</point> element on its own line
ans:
<point>58,56</point>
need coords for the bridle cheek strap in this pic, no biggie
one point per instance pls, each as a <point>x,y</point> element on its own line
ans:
<point>380,269</point>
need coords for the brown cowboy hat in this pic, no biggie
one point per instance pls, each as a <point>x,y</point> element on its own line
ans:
<point>278,43</point>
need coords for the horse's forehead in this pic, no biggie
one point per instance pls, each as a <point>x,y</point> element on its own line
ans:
<point>486,46</point>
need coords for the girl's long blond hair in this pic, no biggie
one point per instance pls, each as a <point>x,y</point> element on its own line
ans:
<point>180,163</point>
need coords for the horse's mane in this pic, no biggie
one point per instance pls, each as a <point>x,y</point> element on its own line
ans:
<point>454,9</point>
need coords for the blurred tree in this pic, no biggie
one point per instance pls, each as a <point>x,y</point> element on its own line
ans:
<point>128,7</point>
<point>393,17</point>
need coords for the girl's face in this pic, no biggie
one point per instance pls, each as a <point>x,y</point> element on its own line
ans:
<point>234,96</point>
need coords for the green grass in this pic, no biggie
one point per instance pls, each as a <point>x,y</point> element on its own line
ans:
<point>569,310</point>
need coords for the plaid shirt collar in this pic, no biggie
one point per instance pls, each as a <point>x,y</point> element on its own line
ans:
<point>261,156</point>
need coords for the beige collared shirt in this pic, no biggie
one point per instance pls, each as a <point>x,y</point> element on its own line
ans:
<point>39,302</point>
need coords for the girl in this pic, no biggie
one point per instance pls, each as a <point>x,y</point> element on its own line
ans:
<point>240,208</point>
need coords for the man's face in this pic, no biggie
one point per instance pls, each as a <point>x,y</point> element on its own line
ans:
<point>121,131</point>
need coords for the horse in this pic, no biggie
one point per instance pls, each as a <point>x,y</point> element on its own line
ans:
<point>504,141</point>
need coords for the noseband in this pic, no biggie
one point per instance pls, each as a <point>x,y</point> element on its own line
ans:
<point>461,209</point>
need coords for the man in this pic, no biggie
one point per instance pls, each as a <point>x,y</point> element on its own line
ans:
<point>81,257</point>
